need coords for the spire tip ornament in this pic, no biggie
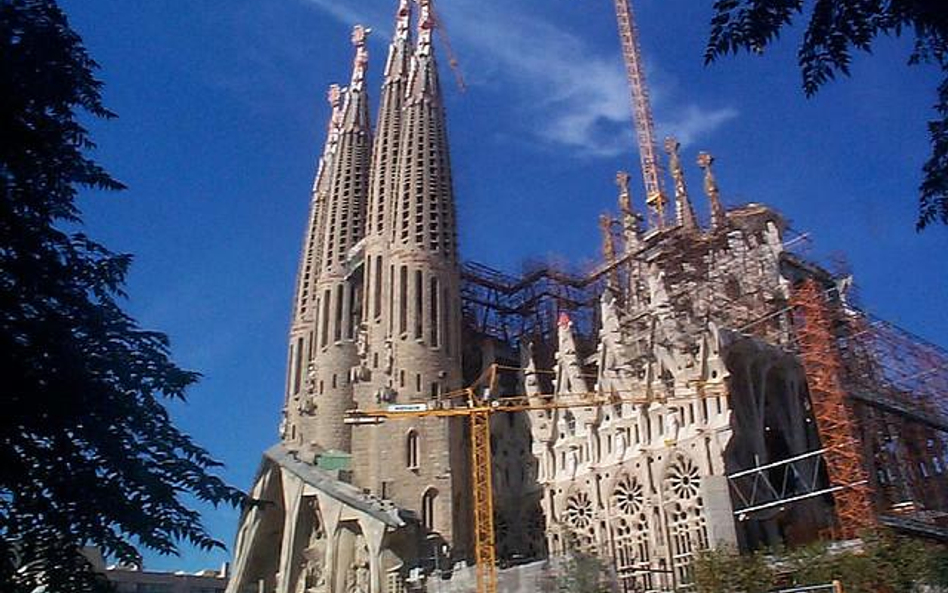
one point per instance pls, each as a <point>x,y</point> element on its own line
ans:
<point>718,215</point>
<point>684,213</point>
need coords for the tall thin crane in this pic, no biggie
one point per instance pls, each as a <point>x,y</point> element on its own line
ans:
<point>642,114</point>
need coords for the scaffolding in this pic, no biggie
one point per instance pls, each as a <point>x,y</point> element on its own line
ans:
<point>834,412</point>
<point>512,309</point>
<point>878,394</point>
<point>880,400</point>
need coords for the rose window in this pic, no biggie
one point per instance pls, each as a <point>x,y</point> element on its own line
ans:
<point>684,479</point>
<point>628,496</point>
<point>579,511</point>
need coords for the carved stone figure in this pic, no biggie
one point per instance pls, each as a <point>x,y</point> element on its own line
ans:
<point>572,463</point>
<point>389,358</point>
<point>569,369</point>
<point>620,445</point>
<point>360,372</point>
<point>358,574</point>
<point>612,358</point>
<point>531,381</point>
<point>312,577</point>
<point>711,190</point>
<point>672,427</point>
<point>311,379</point>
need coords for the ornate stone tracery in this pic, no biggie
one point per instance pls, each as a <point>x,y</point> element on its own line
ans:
<point>684,508</point>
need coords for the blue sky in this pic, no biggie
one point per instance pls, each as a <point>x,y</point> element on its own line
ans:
<point>222,111</point>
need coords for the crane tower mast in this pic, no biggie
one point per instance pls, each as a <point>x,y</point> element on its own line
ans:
<point>642,114</point>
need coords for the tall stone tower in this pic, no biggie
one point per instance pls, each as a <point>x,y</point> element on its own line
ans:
<point>376,322</point>
<point>327,308</point>
<point>412,302</point>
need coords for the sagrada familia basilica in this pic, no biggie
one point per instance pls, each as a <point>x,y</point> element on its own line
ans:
<point>704,386</point>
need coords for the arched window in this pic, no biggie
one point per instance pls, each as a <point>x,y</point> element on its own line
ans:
<point>411,450</point>
<point>684,509</point>
<point>428,508</point>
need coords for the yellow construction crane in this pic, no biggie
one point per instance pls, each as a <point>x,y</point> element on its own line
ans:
<point>479,409</point>
<point>642,114</point>
<point>453,62</point>
<point>479,419</point>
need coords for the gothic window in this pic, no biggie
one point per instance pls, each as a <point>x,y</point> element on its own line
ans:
<point>630,535</point>
<point>337,322</point>
<point>419,308</point>
<point>428,508</point>
<point>324,334</point>
<point>580,517</point>
<point>403,300</point>
<point>579,511</point>
<point>684,510</point>
<point>628,497</point>
<point>377,294</point>
<point>354,314</point>
<point>298,365</point>
<point>411,450</point>
<point>433,304</point>
<point>447,322</point>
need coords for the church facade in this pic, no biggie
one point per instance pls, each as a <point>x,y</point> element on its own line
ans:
<point>671,401</point>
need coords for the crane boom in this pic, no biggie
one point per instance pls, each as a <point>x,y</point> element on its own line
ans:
<point>642,114</point>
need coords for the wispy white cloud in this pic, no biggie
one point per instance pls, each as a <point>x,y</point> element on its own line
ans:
<point>571,96</point>
<point>349,13</point>
<point>694,122</point>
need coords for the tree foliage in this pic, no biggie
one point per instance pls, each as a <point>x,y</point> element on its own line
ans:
<point>835,30</point>
<point>884,562</point>
<point>580,572</point>
<point>88,452</point>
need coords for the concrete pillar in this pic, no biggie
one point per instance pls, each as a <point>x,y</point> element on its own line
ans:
<point>331,510</point>
<point>292,498</point>
<point>374,532</point>
<point>718,511</point>
<point>247,534</point>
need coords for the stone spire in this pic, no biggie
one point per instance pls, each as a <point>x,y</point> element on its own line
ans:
<point>322,345</point>
<point>424,213</point>
<point>414,344</point>
<point>630,219</point>
<point>349,175</point>
<point>388,127</point>
<point>383,191</point>
<point>309,260</point>
<point>684,213</point>
<point>718,215</point>
<point>302,325</point>
<point>606,223</point>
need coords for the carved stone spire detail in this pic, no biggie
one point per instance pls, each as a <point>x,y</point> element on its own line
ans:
<point>718,215</point>
<point>684,213</point>
<point>630,219</point>
<point>609,250</point>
